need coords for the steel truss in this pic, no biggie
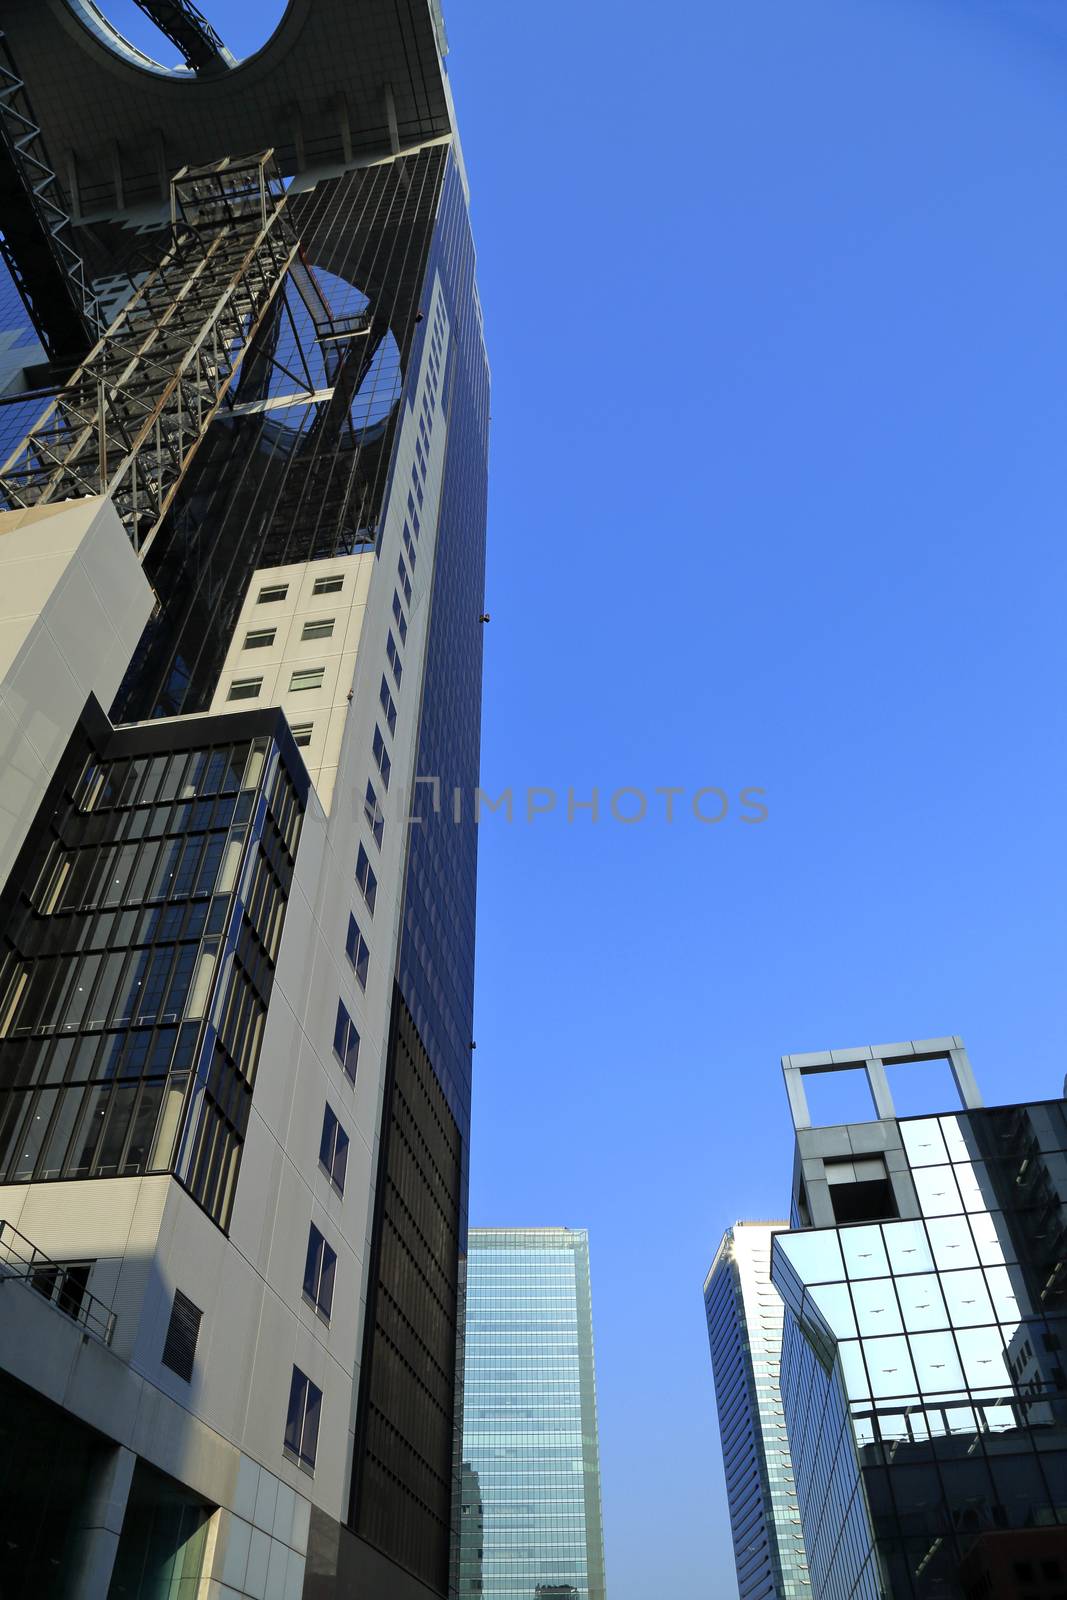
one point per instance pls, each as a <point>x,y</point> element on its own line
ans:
<point>130,419</point>
<point>37,241</point>
<point>187,27</point>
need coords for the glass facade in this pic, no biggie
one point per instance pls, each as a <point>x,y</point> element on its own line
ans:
<point>744,1313</point>
<point>403,1489</point>
<point>141,927</point>
<point>937,1330</point>
<point>436,965</point>
<point>274,482</point>
<point>530,1443</point>
<point>406,1486</point>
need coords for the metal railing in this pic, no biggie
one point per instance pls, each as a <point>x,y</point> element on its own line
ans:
<point>129,420</point>
<point>62,1284</point>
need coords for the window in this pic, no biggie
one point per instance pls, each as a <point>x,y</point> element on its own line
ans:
<point>319,1271</point>
<point>368,883</point>
<point>259,638</point>
<point>346,1041</point>
<point>331,585</point>
<point>64,1283</point>
<point>333,1150</point>
<point>302,1419</point>
<point>381,756</point>
<point>385,700</point>
<point>357,951</point>
<point>273,591</point>
<point>405,581</point>
<point>394,658</point>
<point>183,1331</point>
<point>860,1189</point>
<point>373,813</point>
<point>302,732</point>
<point>307,678</point>
<point>245,688</point>
<point>401,623</point>
<point>318,628</point>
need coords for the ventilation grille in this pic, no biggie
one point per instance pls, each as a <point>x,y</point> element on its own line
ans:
<point>180,1347</point>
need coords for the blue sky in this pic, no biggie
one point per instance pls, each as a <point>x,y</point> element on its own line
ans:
<point>775,299</point>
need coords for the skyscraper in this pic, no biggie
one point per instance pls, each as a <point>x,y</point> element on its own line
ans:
<point>922,1376</point>
<point>241,591</point>
<point>530,1428</point>
<point>744,1312</point>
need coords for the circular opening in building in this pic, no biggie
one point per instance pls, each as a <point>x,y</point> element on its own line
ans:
<point>343,352</point>
<point>177,37</point>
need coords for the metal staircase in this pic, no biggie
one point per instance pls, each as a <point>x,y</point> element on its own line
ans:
<point>129,420</point>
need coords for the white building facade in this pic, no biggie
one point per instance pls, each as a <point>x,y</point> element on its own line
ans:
<point>234,1087</point>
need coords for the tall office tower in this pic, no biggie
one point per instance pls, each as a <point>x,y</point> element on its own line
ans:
<point>922,1378</point>
<point>530,1443</point>
<point>744,1312</point>
<point>241,590</point>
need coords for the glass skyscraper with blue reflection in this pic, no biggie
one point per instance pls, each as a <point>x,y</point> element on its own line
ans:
<point>923,1369</point>
<point>744,1312</point>
<point>530,1522</point>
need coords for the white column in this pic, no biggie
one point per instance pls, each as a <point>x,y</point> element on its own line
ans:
<point>102,1524</point>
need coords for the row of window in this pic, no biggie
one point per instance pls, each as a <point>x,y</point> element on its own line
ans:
<point>320,1272</point>
<point>320,1263</point>
<point>305,1397</point>
<point>301,1437</point>
<point>422,443</point>
<point>183,776</point>
<point>301,679</point>
<point>320,1268</point>
<point>355,944</point>
<point>329,583</point>
<point>316,628</point>
<point>305,678</point>
<point>305,1400</point>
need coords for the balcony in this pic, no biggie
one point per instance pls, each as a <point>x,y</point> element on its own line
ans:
<point>63,1285</point>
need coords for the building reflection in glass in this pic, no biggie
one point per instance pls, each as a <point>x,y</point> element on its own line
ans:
<point>936,1330</point>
